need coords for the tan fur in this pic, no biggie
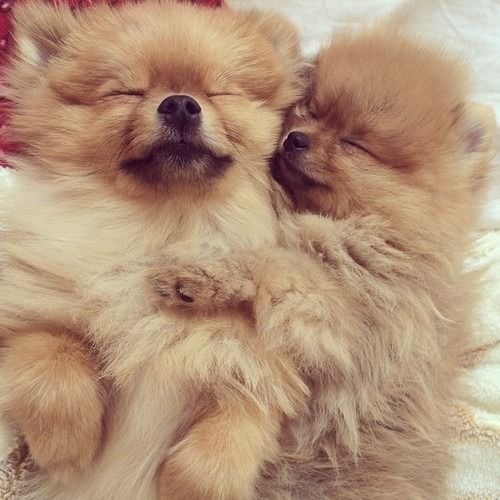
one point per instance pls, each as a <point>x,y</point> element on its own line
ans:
<point>49,390</point>
<point>368,295</point>
<point>236,437</point>
<point>80,233</point>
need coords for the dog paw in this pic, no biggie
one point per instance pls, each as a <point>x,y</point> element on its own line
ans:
<point>63,471</point>
<point>50,393</point>
<point>177,286</point>
<point>65,447</point>
<point>213,286</point>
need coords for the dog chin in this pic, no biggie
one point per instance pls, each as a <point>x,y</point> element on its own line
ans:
<point>169,163</point>
<point>291,174</point>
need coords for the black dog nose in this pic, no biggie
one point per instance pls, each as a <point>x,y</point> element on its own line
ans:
<point>180,109</point>
<point>296,141</point>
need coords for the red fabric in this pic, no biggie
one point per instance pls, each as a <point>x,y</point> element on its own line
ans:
<point>6,40</point>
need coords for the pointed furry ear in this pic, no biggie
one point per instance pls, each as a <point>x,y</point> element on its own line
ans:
<point>477,124</point>
<point>307,73</point>
<point>477,129</point>
<point>39,31</point>
<point>281,32</point>
<point>283,85</point>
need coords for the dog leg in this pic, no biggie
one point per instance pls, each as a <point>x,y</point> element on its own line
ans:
<point>49,391</point>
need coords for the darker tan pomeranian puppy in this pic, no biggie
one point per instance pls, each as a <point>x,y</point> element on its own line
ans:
<point>383,164</point>
<point>145,128</point>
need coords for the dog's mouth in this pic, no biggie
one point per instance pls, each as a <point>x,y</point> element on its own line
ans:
<point>173,161</point>
<point>181,154</point>
<point>290,171</point>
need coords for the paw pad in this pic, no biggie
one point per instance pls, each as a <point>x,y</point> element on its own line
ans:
<point>183,293</point>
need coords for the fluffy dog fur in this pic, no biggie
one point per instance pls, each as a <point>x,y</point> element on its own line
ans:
<point>368,295</point>
<point>101,383</point>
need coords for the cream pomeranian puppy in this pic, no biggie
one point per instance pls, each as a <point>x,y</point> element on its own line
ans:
<point>383,164</point>
<point>143,128</point>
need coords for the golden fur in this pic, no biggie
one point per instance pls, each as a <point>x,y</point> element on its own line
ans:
<point>368,294</point>
<point>104,386</point>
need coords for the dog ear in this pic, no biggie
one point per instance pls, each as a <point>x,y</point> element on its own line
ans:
<point>478,126</point>
<point>281,32</point>
<point>282,38</point>
<point>39,31</point>
<point>477,134</point>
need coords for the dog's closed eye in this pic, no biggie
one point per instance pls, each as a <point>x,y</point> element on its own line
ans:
<point>223,94</point>
<point>355,144</point>
<point>125,92</point>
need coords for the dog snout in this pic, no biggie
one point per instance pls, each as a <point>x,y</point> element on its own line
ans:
<point>296,142</point>
<point>180,111</point>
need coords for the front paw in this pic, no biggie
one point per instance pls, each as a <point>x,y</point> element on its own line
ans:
<point>176,285</point>
<point>311,234</point>
<point>213,286</point>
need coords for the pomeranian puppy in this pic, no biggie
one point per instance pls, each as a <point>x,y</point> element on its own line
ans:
<point>383,164</point>
<point>144,128</point>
